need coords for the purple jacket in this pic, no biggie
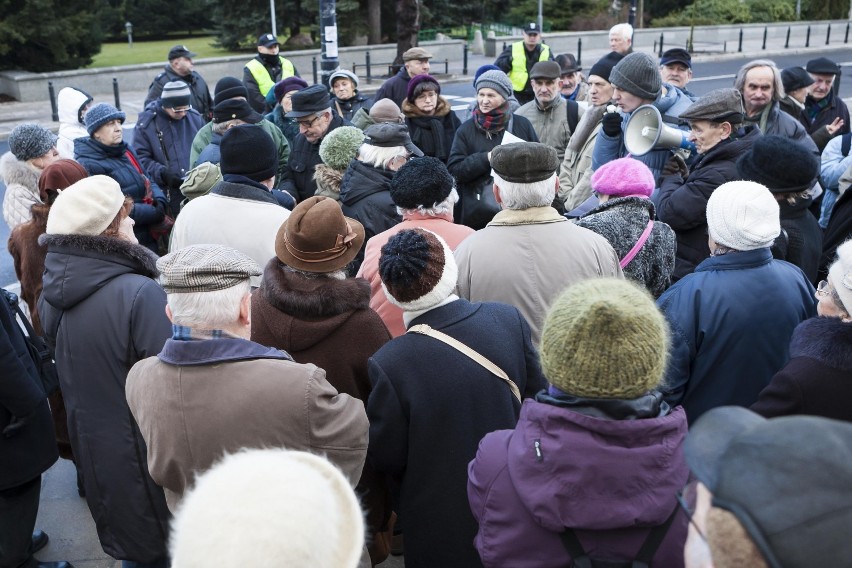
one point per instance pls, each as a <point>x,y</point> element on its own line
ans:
<point>597,474</point>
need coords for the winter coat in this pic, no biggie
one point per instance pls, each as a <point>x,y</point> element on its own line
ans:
<point>443,226</point>
<point>328,181</point>
<point>69,101</point>
<point>430,407</point>
<point>31,450</point>
<point>782,124</point>
<point>683,204</point>
<point>818,378</point>
<point>835,108</point>
<point>550,125</point>
<point>28,258</point>
<point>833,165</point>
<point>348,108</point>
<point>575,173</point>
<point>540,254</point>
<point>621,221</point>
<point>731,322</point>
<point>200,98</point>
<point>395,88</point>
<point>522,502</point>
<point>839,230</point>
<point>112,161</point>
<point>432,134</point>
<point>205,135</point>
<point>21,181</point>
<point>177,137</point>
<point>101,290</point>
<point>580,94</point>
<point>365,196</point>
<point>288,126</point>
<point>298,178</point>
<point>803,236</point>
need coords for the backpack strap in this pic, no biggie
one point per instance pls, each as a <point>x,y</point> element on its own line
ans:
<point>654,540</point>
<point>572,110</point>
<point>846,144</point>
<point>579,558</point>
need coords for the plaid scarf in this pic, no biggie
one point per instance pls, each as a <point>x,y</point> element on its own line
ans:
<point>817,107</point>
<point>493,121</point>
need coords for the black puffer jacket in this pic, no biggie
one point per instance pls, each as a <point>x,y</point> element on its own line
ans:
<point>349,107</point>
<point>804,237</point>
<point>683,204</point>
<point>104,311</point>
<point>299,177</point>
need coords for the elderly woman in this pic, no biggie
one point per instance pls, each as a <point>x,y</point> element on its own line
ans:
<point>307,307</point>
<point>31,149</point>
<point>527,486</point>
<point>625,217</point>
<point>470,155</point>
<point>282,93</point>
<point>345,98</point>
<point>430,119</point>
<point>103,309</point>
<point>818,378</point>
<point>106,153</point>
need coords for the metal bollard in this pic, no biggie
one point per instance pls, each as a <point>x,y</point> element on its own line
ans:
<point>464,60</point>
<point>54,111</point>
<point>828,35</point>
<point>661,44</point>
<point>369,73</point>
<point>787,43</point>
<point>808,38</point>
<point>740,48</point>
<point>765,30</point>
<point>846,37</point>
<point>579,51</point>
<point>115,93</point>
<point>314,65</point>
<point>504,46</point>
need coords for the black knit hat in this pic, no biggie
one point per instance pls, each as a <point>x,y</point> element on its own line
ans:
<point>249,151</point>
<point>229,109</point>
<point>423,182</point>
<point>417,269</point>
<point>605,64</point>
<point>795,78</point>
<point>779,165</point>
<point>228,88</point>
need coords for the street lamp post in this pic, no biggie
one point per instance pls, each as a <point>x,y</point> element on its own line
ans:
<point>129,27</point>
<point>328,32</point>
<point>272,11</point>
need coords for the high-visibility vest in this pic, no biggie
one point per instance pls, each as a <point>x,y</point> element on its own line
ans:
<point>518,74</point>
<point>261,75</point>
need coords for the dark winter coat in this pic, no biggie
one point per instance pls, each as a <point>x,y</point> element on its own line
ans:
<point>731,322</point>
<point>818,378</point>
<point>31,450</point>
<point>432,134</point>
<point>683,204</point>
<point>836,109</point>
<point>104,311</point>
<point>200,98</point>
<point>177,137</point>
<point>621,221</point>
<point>803,236</point>
<point>212,153</point>
<point>348,108</point>
<point>298,178</point>
<point>839,230</point>
<point>112,161</point>
<point>395,88</point>
<point>430,407</point>
<point>522,502</point>
<point>288,126</point>
<point>205,135</point>
<point>782,124</point>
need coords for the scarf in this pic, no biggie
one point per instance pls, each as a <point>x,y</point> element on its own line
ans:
<point>813,109</point>
<point>493,121</point>
<point>761,119</point>
<point>585,127</point>
<point>427,131</point>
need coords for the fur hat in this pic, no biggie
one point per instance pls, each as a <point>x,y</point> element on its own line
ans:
<point>86,207</point>
<point>343,74</point>
<point>340,147</point>
<point>100,114</point>
<point>316,237</point>
<point>424,182</point>
<point>624,177</point>
<point>205,268</point>
<point>497,80</point>
<point>780,166</point>
<point>417,269</point>
<point>29,141</point>
<point>385,110</point>
<point>269,508</point>
<point>200,180</point>
<point>228,88</point>
<point>420,83</point>
<point>604,338</point>
<point>841,275</point>
<point>289,84</point>
<point>249,151</point>
<point>58,176</point>
<point>175,94</point>
<point>524,162</point>
<point>743,215</point>
<point>603,67</point>
<point>638,74</point>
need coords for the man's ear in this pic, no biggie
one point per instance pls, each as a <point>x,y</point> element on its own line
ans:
<point>245,310</point>
<point>169,314</point>
<point>496,190</point>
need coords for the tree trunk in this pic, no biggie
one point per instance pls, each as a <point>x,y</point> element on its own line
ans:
<point>407,27</point>
<point>374,21</point>
<point>295,18</point>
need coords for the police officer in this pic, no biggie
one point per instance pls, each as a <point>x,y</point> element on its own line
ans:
<point>518,58</point>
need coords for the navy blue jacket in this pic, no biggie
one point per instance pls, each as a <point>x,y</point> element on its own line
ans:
<point>731,322</point>
<point>177,137</point>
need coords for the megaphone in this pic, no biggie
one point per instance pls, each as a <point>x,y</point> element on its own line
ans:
<point>646,131</point>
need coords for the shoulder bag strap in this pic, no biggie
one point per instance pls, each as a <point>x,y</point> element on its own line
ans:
<point>654,540</point>
<point>846,144</point>
<point>638,246</point>
<point>579,558</point>
<point>424,329</point>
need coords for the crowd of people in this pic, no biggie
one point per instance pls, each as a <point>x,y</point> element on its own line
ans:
<point>296,325</point>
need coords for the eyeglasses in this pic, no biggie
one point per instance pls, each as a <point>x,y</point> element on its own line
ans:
<point>687,498</point>
<point>181,109</point>
<point>308,123</point>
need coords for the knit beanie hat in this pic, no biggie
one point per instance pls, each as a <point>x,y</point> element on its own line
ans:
<point>604,338</point>
<point>425,82</point>
<point>483,69</point>
<point>794,78</point>
<point>343,74</point>
<point>228,88</point>
<point>417,269</point>
<point>497,80</point>
<point>603,68</point>
<point>200,180</point>
<point>30,141</point>
<point>340,146</point>
<point>780,166</point>
<point>175,94</point>
<point>743,215</point>
<point>624,177</point>
<point>86,207</point>
<point>638,74</point>
<point>287,85</point>
<point>266,508</point>
<point>385,110</point>
<point>841,275</point>
<point>249,151</point>
<point>423,182</point>
<point>100,114</point>
<point>58,176</point>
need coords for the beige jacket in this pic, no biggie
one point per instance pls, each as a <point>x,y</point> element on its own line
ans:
<point>526,258</point>
<point>551,125</point>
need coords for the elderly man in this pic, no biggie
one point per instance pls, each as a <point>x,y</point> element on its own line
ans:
<point>621,38</point>
<point>553,117</point>
<point>676,69</point>
<point>825,113</point>
<point>539,251</point>
<point>574,87</point>
<point>212,391</point>
<point>262,72</point>
<point>517,60</point>
<point>179,68</point>
<point>415,62</point>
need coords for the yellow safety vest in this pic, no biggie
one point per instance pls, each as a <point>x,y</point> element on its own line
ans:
<point>518,74</point>
<point>261,75</point>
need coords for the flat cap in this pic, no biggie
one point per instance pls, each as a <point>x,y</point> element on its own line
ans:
<point>181,51</point>
<point>721,105</point>
<point>416,53</point>
<point>676,55</point>
<point>390,135</point>
<point>524,162</point>
<point>823,65</point>
<point>309,101</point>
<point>204,268</point>
<point>795,78</point>
<point>545,70</point>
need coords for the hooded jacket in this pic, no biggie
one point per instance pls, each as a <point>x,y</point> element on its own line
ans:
<point>21,181</point>
<point>155,132</point>
<point>69,102</point>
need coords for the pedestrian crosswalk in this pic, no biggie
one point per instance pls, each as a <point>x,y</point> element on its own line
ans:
<point>458,99</point>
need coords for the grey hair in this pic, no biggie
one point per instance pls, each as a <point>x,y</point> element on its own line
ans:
<point>520,196</point>
<point>778,85</point>
<point>380,157</point>
<point>219,309</point>
<point>222,127</point>
<point>333,275</point>
<point>624,30</point>
<point>437,209</point>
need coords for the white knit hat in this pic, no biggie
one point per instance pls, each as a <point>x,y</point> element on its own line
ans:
<point>841,275</point>
<point>743,215</point>
<point>269,508</point>
<point>86,207</point>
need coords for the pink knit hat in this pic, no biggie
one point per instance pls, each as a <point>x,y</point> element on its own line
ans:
<point>625,177</point>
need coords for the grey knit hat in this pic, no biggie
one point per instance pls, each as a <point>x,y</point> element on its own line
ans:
<point>496,80</point>
<point>638,75</point>
<point>28,141</point>
<point>100,114</point>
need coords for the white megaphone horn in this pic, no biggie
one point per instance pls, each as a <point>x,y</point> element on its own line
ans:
<point>646,131</point>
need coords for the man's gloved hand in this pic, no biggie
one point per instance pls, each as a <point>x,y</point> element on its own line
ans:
<point>676,165</point>
<point>611,124</point>
<point>172,179</point>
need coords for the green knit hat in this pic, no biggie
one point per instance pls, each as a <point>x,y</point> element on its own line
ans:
<point>340,146</point>
<point>604,338</point>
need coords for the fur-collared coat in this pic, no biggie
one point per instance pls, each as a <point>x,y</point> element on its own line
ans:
<point>21,181</point>
<point>432,134</point>
<point>328,181</point>
<point>818,378</point>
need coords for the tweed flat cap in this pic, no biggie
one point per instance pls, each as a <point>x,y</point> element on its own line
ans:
<point>416,53</point>
<point>524,162</point>
<point>205,268</point>
<point>823,66</point>
<point>721,105</point>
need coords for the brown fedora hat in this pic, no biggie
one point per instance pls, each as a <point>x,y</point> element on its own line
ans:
<point>317,237</point>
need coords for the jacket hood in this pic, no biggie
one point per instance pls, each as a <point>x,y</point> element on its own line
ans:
<point>13,170</point>
<point>596,473</point>
<point>91,149</point>
<point>672,101</point>
<point>363,180</point>
<point>69,101</point>
<point>827,340</point>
